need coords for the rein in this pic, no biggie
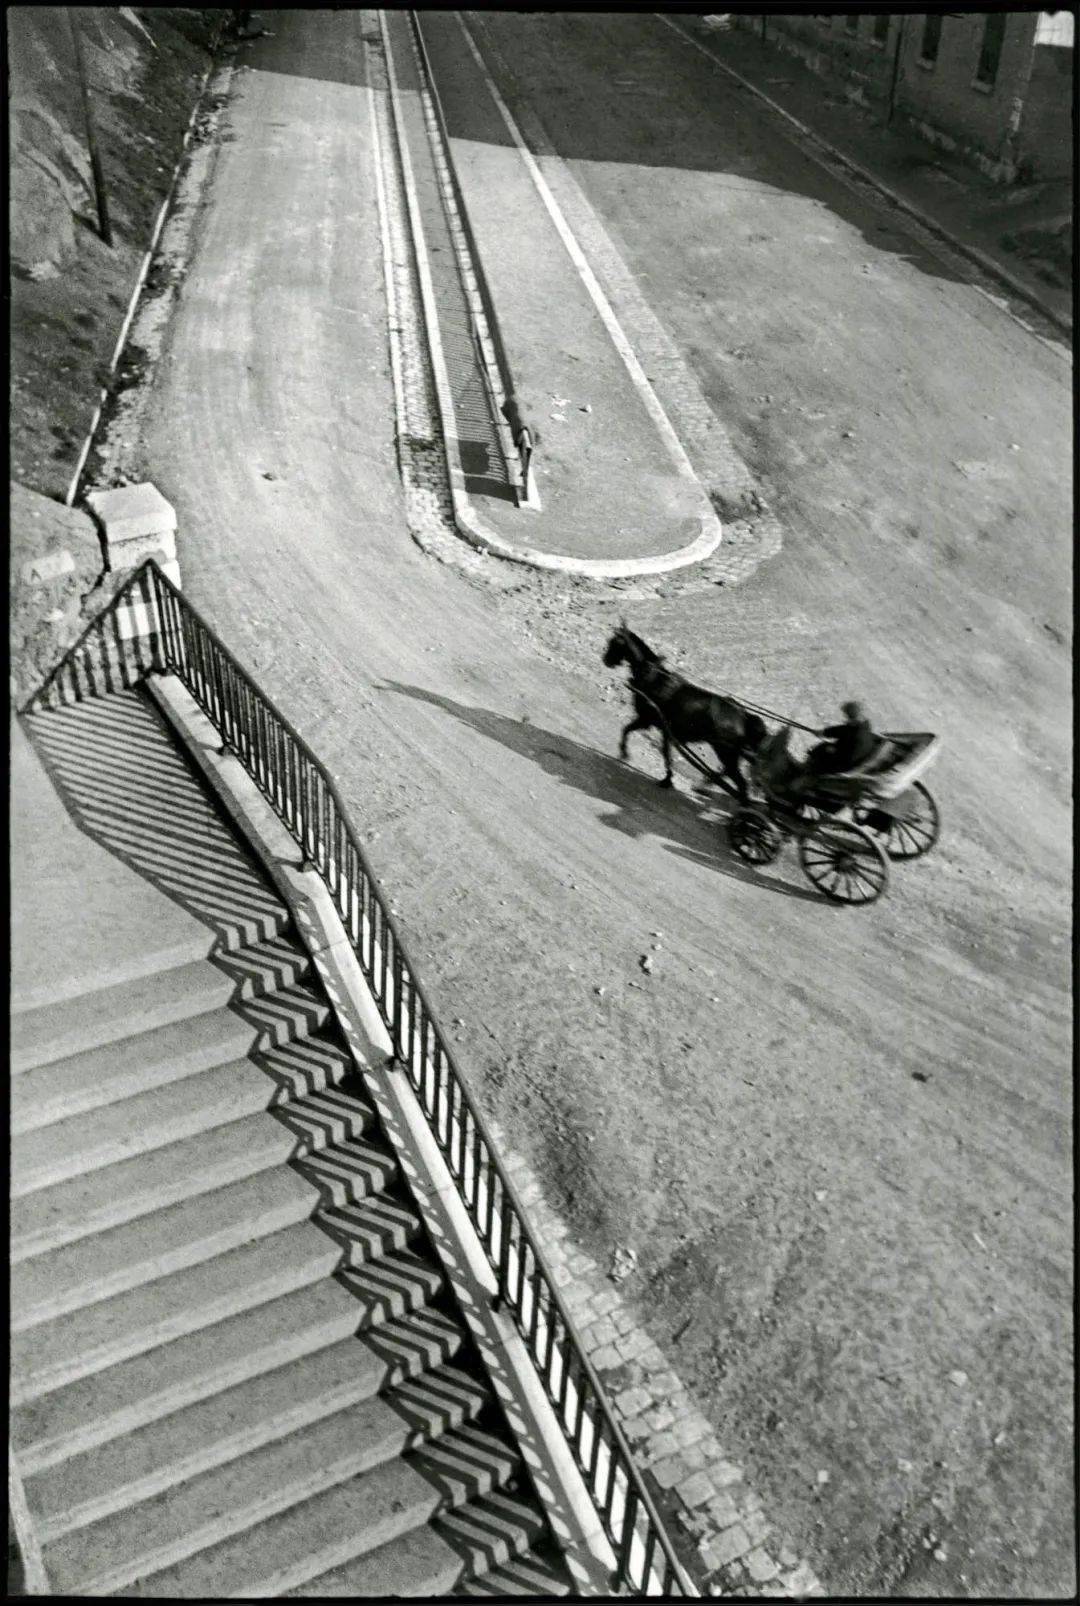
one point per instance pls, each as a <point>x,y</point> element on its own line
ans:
<point>751,708</point>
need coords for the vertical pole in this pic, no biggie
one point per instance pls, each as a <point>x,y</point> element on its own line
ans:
<point>91,135</point>
<point>900,21</point>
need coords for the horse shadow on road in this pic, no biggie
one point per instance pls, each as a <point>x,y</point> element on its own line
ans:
<point>693,826</point>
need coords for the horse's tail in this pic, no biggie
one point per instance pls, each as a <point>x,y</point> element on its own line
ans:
<point>756,732</point>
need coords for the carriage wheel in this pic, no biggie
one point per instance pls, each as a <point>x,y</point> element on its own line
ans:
<point>844,862</point>
<point>904,839</point>
<point>754,837</point>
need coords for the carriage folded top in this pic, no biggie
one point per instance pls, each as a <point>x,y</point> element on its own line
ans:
<point>900,758</point>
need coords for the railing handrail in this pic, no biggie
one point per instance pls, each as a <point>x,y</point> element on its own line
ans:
<point>167,597</point>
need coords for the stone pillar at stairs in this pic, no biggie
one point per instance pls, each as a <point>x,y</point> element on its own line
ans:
<point>137,523</point>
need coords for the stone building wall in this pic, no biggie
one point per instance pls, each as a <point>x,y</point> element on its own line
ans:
<point>1018,126</point>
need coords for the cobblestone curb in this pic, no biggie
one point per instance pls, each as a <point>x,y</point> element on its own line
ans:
<point>715,1519</point>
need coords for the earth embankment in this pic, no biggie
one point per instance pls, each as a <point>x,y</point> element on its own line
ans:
<point>145,68</point>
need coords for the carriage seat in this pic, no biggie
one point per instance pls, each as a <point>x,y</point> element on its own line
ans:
<point>885,753</point>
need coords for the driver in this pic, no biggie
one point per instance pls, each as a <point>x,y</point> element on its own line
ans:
<point>845,747</point>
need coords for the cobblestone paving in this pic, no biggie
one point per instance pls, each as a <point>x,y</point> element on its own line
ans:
<point>716,1520</point>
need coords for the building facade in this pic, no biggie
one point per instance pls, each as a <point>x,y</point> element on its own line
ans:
<point>995,88</point>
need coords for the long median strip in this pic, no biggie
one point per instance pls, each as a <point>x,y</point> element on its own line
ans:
<point>401,228</point>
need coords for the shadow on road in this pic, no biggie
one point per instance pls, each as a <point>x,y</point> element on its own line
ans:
<point>641,807</point>
<point>593,74</point>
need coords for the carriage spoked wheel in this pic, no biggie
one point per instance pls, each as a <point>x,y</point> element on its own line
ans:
<point>844,862</point>
<point>903,839</point>
<point>754,836</point>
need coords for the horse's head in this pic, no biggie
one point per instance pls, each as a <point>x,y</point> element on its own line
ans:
<point>617,650</point>
<point>626,648</point>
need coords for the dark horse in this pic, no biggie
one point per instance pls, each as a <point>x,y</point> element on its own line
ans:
<point>678,709</point>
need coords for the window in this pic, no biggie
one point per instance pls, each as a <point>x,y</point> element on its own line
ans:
<point>990,55</point>
<point>881,27</point>
<point>851,22</point>
<point>931,39</point>
<point>1055,28</point>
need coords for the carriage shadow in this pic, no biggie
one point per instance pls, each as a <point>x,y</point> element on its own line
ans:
<point>642,808</point>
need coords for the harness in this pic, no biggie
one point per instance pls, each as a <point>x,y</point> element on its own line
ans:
<point>741,702</point>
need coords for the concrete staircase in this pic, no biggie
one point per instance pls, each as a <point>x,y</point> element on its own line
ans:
<point>236,1365</point>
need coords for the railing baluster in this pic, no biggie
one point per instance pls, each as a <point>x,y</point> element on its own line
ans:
<point>628,1538</point>
<point>579,1415</point>
<point>461,1133</point>
<point>613,1471</point>
<point>594,1458</point>
<point>534,1320</point>
<point>478,1177</point>
<point>398,1032</point>
<point>564,1376</point>
<point>647,1563</point>
<point>504,1243</point>
<point>522,1248</point>
<point>489,1189</point>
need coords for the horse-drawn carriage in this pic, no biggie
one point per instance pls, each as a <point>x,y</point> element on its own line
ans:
<point>847,824</point>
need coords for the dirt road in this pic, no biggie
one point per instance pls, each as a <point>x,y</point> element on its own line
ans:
<point>839,1140</point>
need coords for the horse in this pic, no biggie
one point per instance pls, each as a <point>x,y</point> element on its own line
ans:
<point>683,711</point>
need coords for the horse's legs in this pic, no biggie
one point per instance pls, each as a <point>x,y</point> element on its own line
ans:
<point>729,762</point>
<point>639,723</point>
<point>669,773</point>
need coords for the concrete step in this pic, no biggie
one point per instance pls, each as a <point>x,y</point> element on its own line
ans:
<point>224,1426</point>
<point>351,1517</point>
<point>91,1020</point>
<point>195,1230</point>
<point>86,1081</point>
<point>439,1557</point>
<point>538,1576</point>
<point>319,1311</point>
<point>213,1156</point>
<point>147,1122</point>
<point>84,1341</point>
<point>211,1508</point>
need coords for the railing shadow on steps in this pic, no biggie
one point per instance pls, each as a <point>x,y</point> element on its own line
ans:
<point>149,627</point>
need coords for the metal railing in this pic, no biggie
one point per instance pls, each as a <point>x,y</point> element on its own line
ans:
<point>150,627</point>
